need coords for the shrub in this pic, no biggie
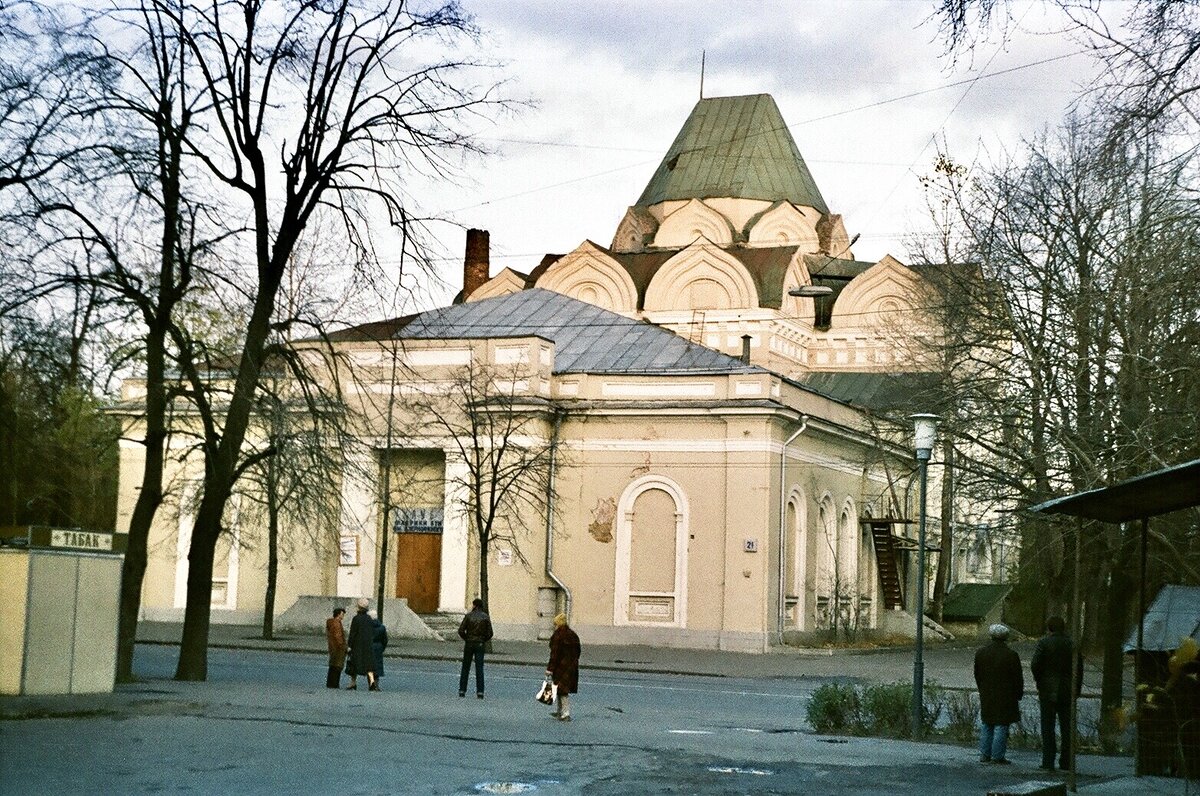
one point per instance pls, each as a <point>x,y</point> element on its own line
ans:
<point>835,708</point>
<point>887,709</point>
<point>962,713</point>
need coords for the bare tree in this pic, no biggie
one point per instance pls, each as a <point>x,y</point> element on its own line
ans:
<point>504,439</point>
<point>324,93</point>
<point>1149,58</point>
<point>1066,362</point>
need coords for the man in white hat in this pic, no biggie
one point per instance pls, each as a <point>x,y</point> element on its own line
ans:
<point>1001,685</point>
<point>362,657</point>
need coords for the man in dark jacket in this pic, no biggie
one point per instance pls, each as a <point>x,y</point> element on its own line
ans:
<point>998,678</point>
<point>1051,667</point>
<point>475,631</point>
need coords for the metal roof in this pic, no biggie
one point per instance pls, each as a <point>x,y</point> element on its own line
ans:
<point>877,390</point>
<point>1149,495</point>
<point>735,147</point>
<point>1173,616</point>
<point>587,338</point>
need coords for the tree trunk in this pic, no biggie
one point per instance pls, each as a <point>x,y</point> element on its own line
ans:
<point>268,631</point>
<point>193,648</point>
<point>945,559</point>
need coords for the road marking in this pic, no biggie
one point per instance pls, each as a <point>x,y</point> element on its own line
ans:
<point>690,732</point>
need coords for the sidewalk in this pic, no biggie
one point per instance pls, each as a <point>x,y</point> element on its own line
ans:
<point>948,665</point>
<point>951,666</point>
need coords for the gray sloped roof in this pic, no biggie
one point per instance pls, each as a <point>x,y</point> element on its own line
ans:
<point>1173,616</point>
<point>587,338</point>
<point>736,147</point>
<point>973,601</point>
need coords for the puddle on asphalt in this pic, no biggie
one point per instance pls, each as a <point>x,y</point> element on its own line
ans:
<point>505,787</point>
<point>758,772</point>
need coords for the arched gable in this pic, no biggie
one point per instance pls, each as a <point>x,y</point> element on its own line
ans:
<point>782,225</point>
<point>802,310</point>
<point>590,274</point>
<point>504,283</point>
<point>694,220</point>
<point>635,231</point>
<point>702,276</point>
<point>879,296</point>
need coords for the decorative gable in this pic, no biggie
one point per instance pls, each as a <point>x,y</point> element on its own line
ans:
<point>504,283</point>
<point>590,274</point>
<point>635,231</point>
<point>693,221</point>
<point>701,277</point>
<point>782,225</point>
<point>882,296</point>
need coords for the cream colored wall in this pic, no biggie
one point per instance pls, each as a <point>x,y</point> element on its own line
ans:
<point>14,588</point>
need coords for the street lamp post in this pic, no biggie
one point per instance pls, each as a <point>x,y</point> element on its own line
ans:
<point>924,434</point>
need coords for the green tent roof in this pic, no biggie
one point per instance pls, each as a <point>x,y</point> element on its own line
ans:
<point>735,147</point>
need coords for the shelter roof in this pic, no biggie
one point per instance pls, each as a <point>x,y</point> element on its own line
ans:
<point>735,147</point>
<point>587,338</point>
<point>970,602</point>
<point>1173,616</point>
<point>1159,492</point>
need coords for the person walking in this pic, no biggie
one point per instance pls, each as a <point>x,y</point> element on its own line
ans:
<point>1001,685</point>
<point>1051,667</point>
<point>335,638</point>
<point>362,658</point>
<point>379,642</point>
<point>563,668</point>
<point>476,631</point>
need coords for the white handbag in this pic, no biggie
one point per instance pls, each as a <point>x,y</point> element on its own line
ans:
<point>548,693</point>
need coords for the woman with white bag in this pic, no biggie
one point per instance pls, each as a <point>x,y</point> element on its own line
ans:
<point>563,668</point>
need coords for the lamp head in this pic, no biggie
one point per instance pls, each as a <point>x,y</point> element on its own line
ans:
<point>924,434</point>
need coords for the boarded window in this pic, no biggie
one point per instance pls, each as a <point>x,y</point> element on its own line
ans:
<point>652,543</point>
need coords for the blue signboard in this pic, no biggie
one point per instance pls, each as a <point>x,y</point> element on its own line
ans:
<point>419,520</point>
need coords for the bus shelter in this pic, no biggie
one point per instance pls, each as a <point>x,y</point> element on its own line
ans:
<point>1137,499</point>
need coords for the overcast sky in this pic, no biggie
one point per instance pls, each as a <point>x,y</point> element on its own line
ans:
<point>862,84</point>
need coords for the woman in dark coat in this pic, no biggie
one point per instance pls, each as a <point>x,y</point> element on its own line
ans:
<point>362,658</point>
<point>379,642</point>
<point>563,668</point>
<point>1001,685</point>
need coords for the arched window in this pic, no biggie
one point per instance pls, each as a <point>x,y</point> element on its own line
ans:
<point>651,567</point>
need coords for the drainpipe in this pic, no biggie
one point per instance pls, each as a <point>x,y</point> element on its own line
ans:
<point>550,514</point>
<point>782,612</point>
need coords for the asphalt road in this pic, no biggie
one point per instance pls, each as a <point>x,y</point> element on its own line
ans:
<point>264,723</point>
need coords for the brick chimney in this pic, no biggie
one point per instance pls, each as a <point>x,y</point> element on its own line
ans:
<point>476,264</point>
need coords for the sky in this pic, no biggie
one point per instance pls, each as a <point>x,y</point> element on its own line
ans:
<point>864,86</point>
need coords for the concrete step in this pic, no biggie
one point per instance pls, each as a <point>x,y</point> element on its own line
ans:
<point>443,624</point>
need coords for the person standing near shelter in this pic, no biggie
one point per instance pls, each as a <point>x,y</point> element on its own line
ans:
<point>1051,667</point>
<point>1001,685</point>
<point>362,658</point>
<point>335,638</point>
<point>476,631</point>
<point>563,668</point>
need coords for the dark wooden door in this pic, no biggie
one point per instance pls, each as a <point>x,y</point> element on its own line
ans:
<point>419,569</point>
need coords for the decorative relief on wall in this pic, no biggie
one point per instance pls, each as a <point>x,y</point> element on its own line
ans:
<point>603,517</point>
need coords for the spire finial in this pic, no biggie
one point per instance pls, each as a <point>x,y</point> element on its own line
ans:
<point>702,74</point>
